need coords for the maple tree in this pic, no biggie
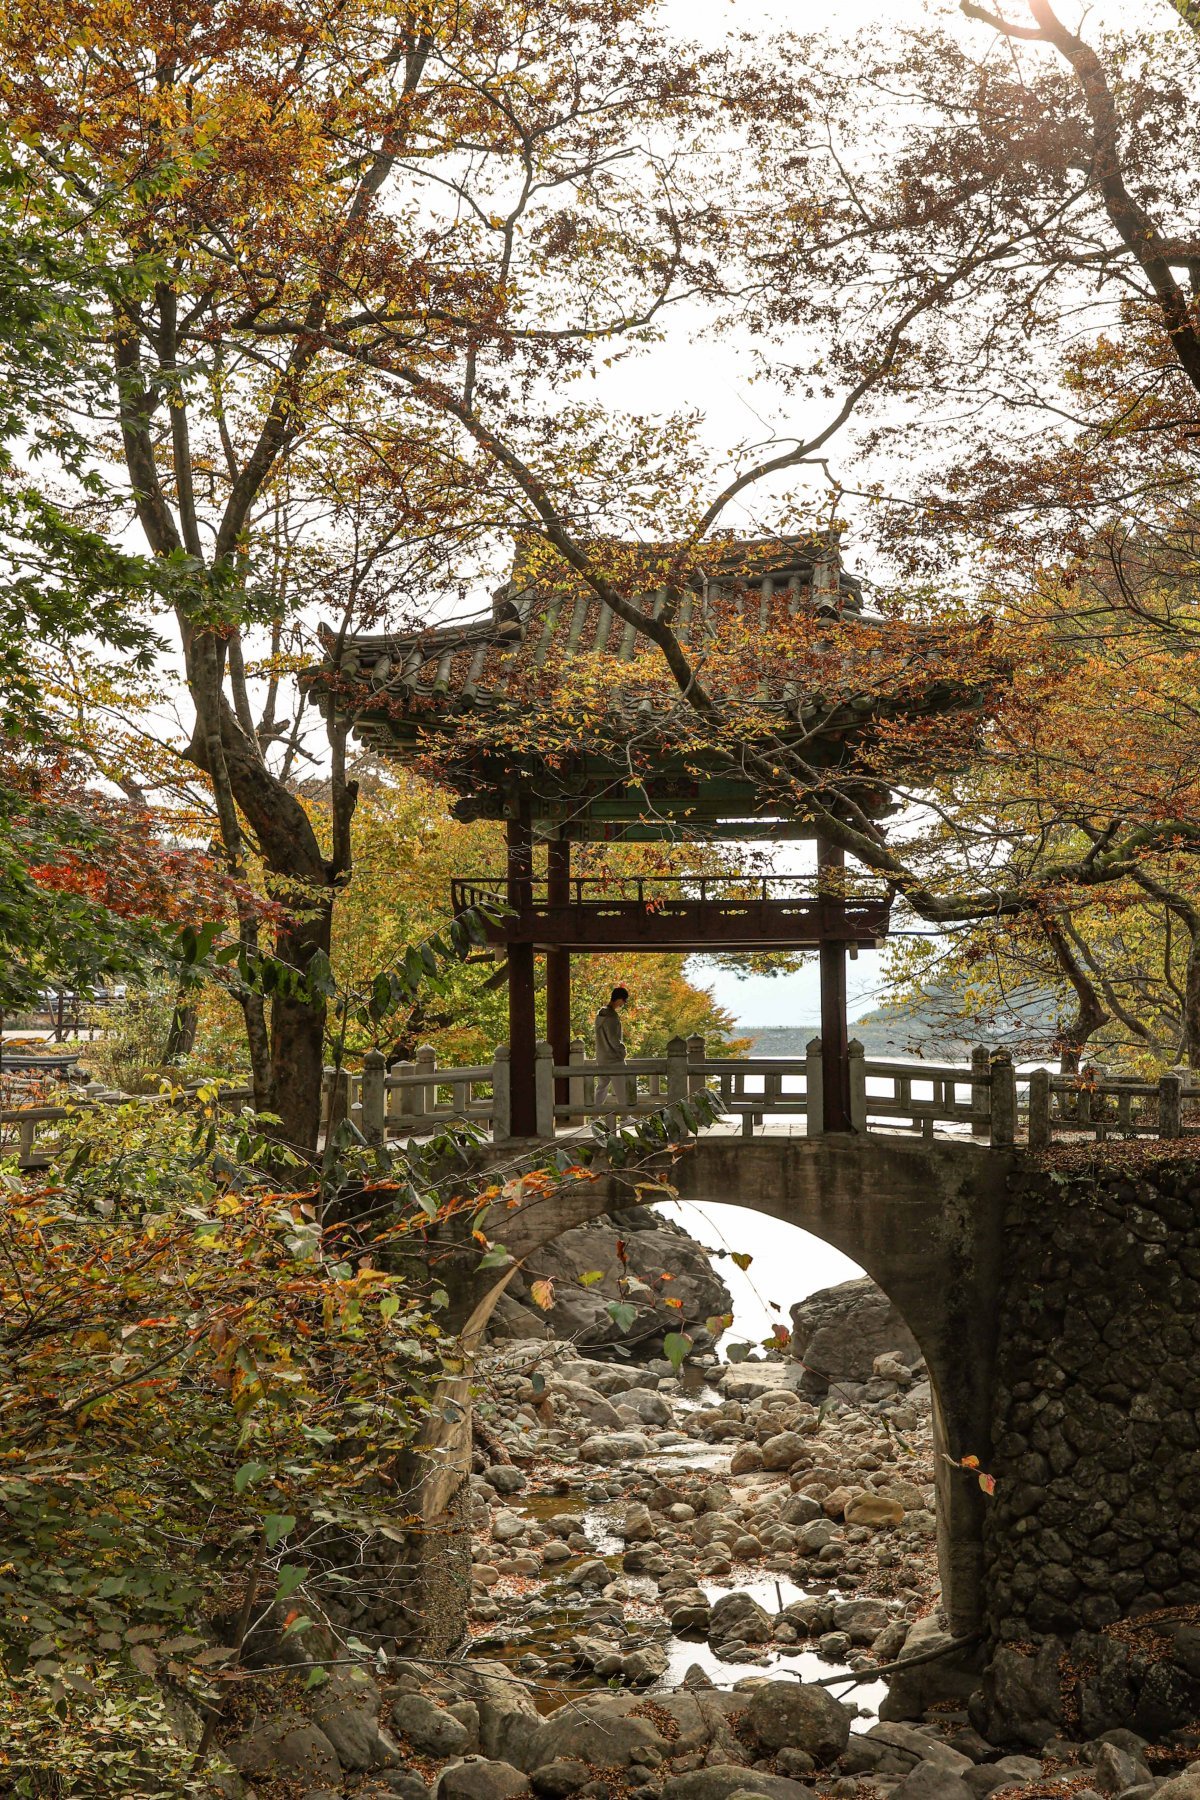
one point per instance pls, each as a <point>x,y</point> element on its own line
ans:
<point>307,218</point>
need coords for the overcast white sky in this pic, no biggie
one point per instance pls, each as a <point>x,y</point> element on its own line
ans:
<point>678,372</point>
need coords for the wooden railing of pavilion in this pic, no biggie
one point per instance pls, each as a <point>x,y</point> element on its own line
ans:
<point>985,1100</point>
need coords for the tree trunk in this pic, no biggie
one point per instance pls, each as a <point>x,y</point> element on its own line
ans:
<point>1089,1014</point>
<point>298,1034</point>
<point>181,1033</point>
<point>1191,1004</point>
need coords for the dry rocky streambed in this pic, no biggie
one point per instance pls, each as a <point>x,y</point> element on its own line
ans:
<point>666,1573</point>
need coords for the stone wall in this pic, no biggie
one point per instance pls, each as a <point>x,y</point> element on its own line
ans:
<point>1092,1540</point>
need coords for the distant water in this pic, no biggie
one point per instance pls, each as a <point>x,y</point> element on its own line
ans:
<point>899,1038</point>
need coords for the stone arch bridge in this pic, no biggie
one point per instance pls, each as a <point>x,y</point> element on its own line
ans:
<point>923,1219</point>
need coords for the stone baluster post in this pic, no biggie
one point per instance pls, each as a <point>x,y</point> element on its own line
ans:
<point>1170,1107</point>
<point>399,1099</point>
<point>426,1094</point>
<point>814,1087</point>
<point>501,1096</point>
<point>1039,1109</point>
<point>696,1050</point>
<point>576,1084</point>
<point>374,1098</point>
<point>677,1071</point>
<point>981,1093</point>
<point>1004,1099</point>
<point>543,1089</point>
<point>339,1098</point>
<point>858,1085</point>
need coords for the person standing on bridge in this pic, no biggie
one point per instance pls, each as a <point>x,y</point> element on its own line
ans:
<point>610,1052</point>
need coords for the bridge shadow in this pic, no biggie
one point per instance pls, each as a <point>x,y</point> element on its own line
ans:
<point>923,1219</point>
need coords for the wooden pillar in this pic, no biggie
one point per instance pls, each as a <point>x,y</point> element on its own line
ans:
<point>835,1031</point>
<point>558,967</point>
<point>522,1016</point>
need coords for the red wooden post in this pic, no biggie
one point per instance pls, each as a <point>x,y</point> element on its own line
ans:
<point>835,1032</point>
<point>522,1016</point>
<point>558,966</point>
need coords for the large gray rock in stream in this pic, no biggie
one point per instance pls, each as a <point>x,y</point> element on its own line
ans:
<point>429,1727</point>
<point>653,1247</point>
<point>480,1779</point>
<point>724,1780</point>
<point>790,1715</point>
<point>604,1732</point>
<point>738,1616</point>
<point>839,1331</point>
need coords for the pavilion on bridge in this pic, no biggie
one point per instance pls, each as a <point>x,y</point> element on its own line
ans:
<point>558,717</point>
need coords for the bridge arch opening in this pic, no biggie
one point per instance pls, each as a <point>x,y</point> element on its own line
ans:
<point>798,1262</point>
<point>924,1221</point>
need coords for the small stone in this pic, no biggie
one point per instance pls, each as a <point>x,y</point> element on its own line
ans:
<point>505,1478</point>
<point>745,1459</point>
<point>873,1509</point>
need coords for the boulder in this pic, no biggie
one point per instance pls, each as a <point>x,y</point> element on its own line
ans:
<point>428,1727</point>
<point>1114,1769</point>
<point>745,1459</point>
<point>585,1400</point>
<point>863,1619</point>
<point>839,1331</point>
<point>750,1381</point>
<point>602,1732</point>
<point>508,1718</point>
<point>558,1779</point>
<point>652,1245</point>
<point>723,1781</point>
<point>933,1780</point>
<point>783,1449</point>
<point>873,1509</point>
<point>801,1717</point>
<point>505,1478</point>
<point>478,1778</point>
<point>511,1322</point>
<point>347,1710</point>
<point>650,1407</point>
<point>1185,1786</point>
<point>637,1526</point>
<point>287,1744</point>
<point>801,1509</point>
<point>406,1784</point>
<point>614,1447</point>
<point>912,1692</point>
<point>738,1616</point>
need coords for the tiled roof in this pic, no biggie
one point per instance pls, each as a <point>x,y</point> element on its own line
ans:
<point>488,661</point>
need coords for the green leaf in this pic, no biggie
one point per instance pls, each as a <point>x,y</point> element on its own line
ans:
<point>625,1316</point>
<point>276,1526</point>
<point>251,1471</point>
<point>316,1678</point>
<point>676,1345</point>
<point>389,1306</point>
<point>738,1352</point>
<point>496,1258</point>
<point>590,1277</point>
<point>291,1576</point>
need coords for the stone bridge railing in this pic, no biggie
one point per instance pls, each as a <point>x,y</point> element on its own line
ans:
<point>986,1099</point>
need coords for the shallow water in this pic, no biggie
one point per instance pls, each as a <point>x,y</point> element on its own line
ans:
<point>547,1637</point>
